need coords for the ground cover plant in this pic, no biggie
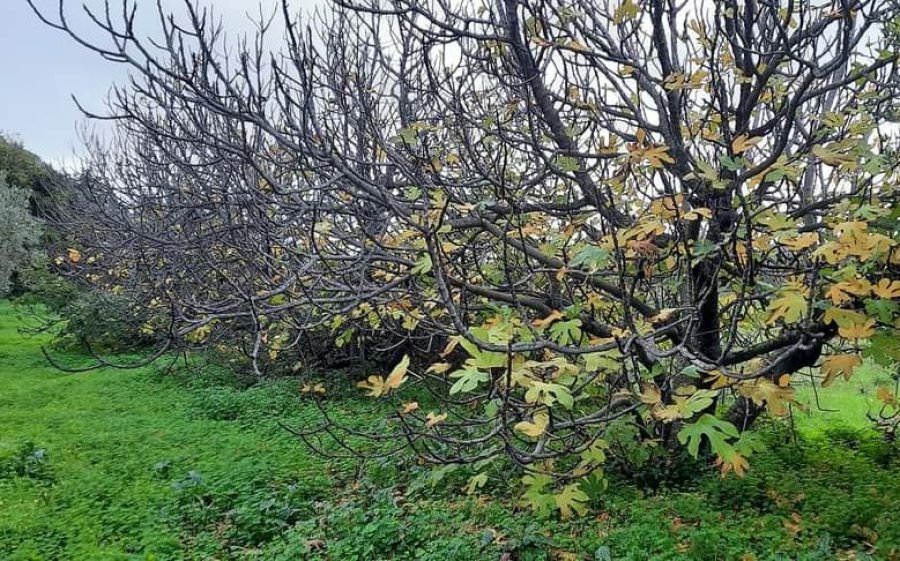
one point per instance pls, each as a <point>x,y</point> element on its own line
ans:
<point>143,464</point>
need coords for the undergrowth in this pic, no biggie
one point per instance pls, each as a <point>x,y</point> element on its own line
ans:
<point>193,463</point>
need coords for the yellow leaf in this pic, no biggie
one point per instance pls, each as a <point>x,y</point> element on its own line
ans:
<point>674,82</point>
<point>374,385</point>
<point>410,407</point>
<point>651,395</point>
<point>626,10</point>
<point>433,419</point>
<point>789,306</point>
<point>743,143</point>
<point>715,380</point>
<point>843,318</point>
<point>576,45</point>
<point>450,347</point>
<point>536,427</point>
<point>657,156</point>
<point>542,323</point>
<point>663,316</point>
<point>625,70</point>
<point>832,157</point>
<point>312,388</point>
<point>858,331</point>
<point>834,366</point>
<point>736,463</point>
<point>886,396</point>
<point>398,375</point>
<point>799,242</point>
<point>848,232</point>
<point>792,525</point>
<point>766,391</point>
<point>439,367</point>
<point>887,289</point>
<point>843,291</point>
<point>571,500</point>
<point>667,413</point>
<point>74,255</point>
<point>560,555</point>
<point>698,78</point>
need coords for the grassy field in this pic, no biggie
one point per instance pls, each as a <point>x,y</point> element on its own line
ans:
<point>134,464</point>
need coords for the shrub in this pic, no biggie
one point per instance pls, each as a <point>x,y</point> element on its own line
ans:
<point>19,232</point>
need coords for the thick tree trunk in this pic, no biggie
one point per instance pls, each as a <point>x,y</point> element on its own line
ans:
<point>744,412</point>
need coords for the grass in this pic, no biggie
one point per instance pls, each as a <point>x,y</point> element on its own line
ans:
<point>842,405</point>
<point>133,464</point>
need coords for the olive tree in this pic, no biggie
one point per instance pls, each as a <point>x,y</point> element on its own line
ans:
<point>19,232</point>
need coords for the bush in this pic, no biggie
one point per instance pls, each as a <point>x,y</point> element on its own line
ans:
<point>42,286</point>
<point>105,322</point>
<point>19,232</point>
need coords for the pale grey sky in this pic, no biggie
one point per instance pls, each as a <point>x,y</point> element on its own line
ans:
<point>40,68</point>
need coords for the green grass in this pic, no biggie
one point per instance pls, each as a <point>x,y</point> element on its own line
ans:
<point>115,441</point>
<point>133,464</point>
<point>845,404</point>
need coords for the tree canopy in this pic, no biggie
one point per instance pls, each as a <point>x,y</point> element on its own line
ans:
<point>580,219</point>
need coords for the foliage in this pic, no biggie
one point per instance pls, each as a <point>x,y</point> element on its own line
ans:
<point>23,168</point>
<point>28,461</point>
<point>139,471</point>
<point>19,232</point>
<point>658,212</point>
<point>105,320</point>
<point>41,286</point>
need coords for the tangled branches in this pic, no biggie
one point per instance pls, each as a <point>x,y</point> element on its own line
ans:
<point>596,212</point>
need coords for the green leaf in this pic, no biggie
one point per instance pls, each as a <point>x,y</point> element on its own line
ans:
<point>716,430</point>
<point>701,249</point>
<point>438,473</point>
<point>790,306</point>
<point>884,310</point>
<point>591,257</point>
<point>594,362</point>
<point>697,402</point>
<point>483,359</point>
<point>595,454</point>
<point>884,348</point>
<point>749,443</point>
<point>536,495</point>
<point>570,501</point>
<point>549,394</point>
<point>408,135</point>
<point>566,332</point>
<point>594,485</point>
<point>467,379</point>
<point>423,265</point>
<point>627,10</point>
<point>491,408</point>
<point>733,164</point>
<point>564,397</point>
<point>567,163</point>
<point>476,482</point>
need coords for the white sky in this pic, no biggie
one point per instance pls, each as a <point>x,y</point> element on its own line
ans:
<point>41,68</point>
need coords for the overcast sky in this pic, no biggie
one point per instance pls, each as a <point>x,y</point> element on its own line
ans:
<point>41,68</point>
